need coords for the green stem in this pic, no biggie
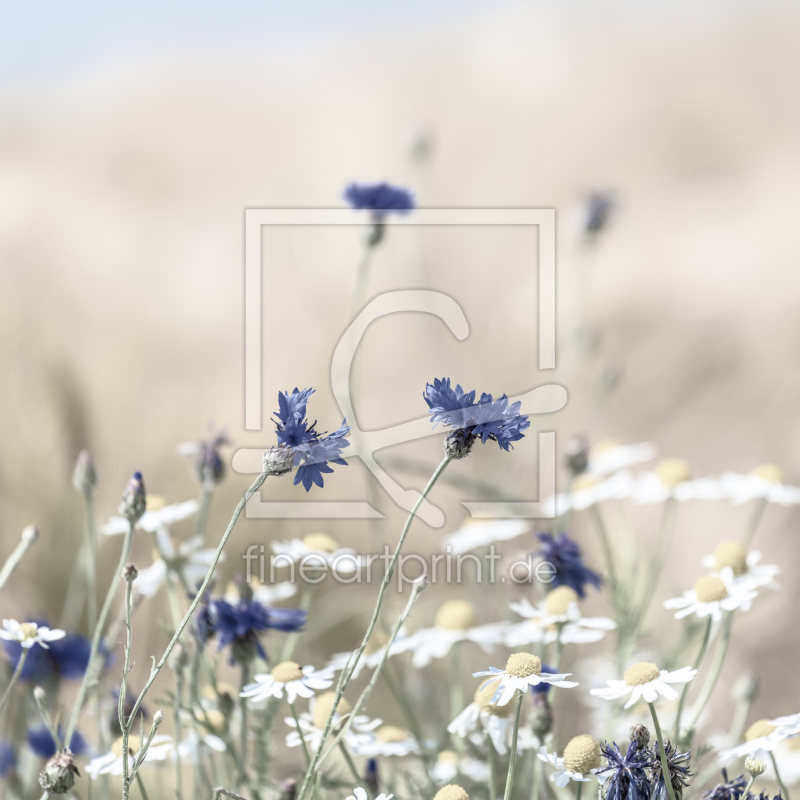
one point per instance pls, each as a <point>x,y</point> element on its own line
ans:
<point>91,560</point>
<point>123,691</point>
<point>300,733</point>
<point>605,543</point>
<point>140,784</point>
<point>512,759</point>
<point>29,536</point>
<point>178,764</point>
<point>351,765</point>
<point>752,523</point>
<point>662,752</point>
<point>347,672</point>
<point>202,512</point>
<point>492,768</point>
<point>88,677</point>
<point>456,685</point>
<point>784,790</point>
<point>578,790</point>
<point>697,663</point>
<point>404,706</point>
<point>243,711</point>
<point>23,656</point>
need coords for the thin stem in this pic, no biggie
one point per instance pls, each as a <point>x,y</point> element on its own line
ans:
<point>38,696</point>
<point>23,656</point>
<point>243,711</point>
<point>697,663</point>
<point>512,758</point>
<point>404,706</point>
<point>492,758</point>
<point>29,536</point>
<point>140,784</point>
<point>602,532</point>
<point>123,691</point>
<point>351,765</point>
<point>300,733</point>
<point>347,672</point>
<point>200,592</point>
<point>361,281</point>
<point>578,790</point>
<point>88,676</point>
<point>749,785</point>
<point>177,724</point>
<point>456,686</point>
<point>202,512</point>
<point>665,773</point>
<point>91,560</point>
<point>784,790</point>
<point>752,523</point>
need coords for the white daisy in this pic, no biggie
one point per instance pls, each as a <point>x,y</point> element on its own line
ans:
<point>482,717</point>
<point>361,794</point>
<point>522,671</point>
<point>737,567</point>
<point>711,597</point>
<point>389,740</point>
<point>373,653</point>
<point>189,558</point>
<point>157,515</point>
<point>787,754</point>
<point>644,680</point>
<point>27,634</point>
<point>763,737</point>
<point>287,676</point>
<point>580,762</point>
<point>588,490</point>
<point>559,611</point>
<point>312,723</point>
<point>672,478</point>
<point>610,456</point>
<point>765,482</point>
<point>110,763</point>
<point>450,764</point>
<point>317,550</point>
<point>190,745</point>
<point>453,624</point>
<point>269,594</point>
<point>477,533</point>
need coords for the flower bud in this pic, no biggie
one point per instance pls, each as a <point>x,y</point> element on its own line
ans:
<point>84,478</point>
<point>459,443</point>
<point>179,658</point>
<point>641,735</point>
<point>129,572</point>
<point>576,455</point>
<point>542,716</point>
<point>371,776</point>
<point>58,775</point>
<point>755,766</point>
<point>134,499</point>
<point>30,534</point>
<point>38,694</point>
<point>158,718</point>
<point>278,460</point>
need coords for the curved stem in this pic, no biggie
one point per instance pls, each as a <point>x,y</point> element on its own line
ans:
<point>662,752</point>
<point>14,678</point>
<point>512,759</point>
<point>353,771</point>
<point>784,791</point>
<point>697,663</point>
<point>300,733</point>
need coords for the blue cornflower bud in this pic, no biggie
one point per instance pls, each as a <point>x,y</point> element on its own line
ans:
<point>134,499</point>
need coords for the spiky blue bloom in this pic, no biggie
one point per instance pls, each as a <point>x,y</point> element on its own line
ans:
<point>566,557</point>
<point>8,757</point>
<point>678,765</point>
<point>240,624</point>
<point>379,198</point>
<point>487,420</point>
<point>628,779</point>
<point>312,451</point>
<point>41,741</point>
<point>728,789</point>
<point>67,657</point>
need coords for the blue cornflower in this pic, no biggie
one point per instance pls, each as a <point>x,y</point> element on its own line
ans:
<point>301,445</point>
<point>487,420</point>
<point>543,688</point>
<point>728,789</point>
<point>379,198</point>
<point>679,771</point>
<point>239,625</point>
<point>565,556</point>
<point>628,779</point>
<point>42,743</point>
<point>8,758</point>
<point>67,657</point>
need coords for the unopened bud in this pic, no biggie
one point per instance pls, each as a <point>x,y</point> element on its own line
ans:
<point>30,534</point>
<point>134,499</point>
<point>755,766</point>
<point>371,776</point>
<point>278,460</point>
<point>542,716</point>
<point>58,775</point>
<point>459,443</point>
<point>178,658</point>
<point>576,455</point>
<point>84,478</point>
<point>38,694</point>
<point>288,790</point>
<point>129,572</point>
<point>158,718</point>
<point>641,735</point>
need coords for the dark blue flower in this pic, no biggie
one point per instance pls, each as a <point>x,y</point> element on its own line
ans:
<point>598,207</point>
<point>728,789</point>
<point>565,556</point>
<point>628,779</point>
<point>679,771</point>
<point>379,198</point>
<point>8,758</point>
<point>42,743</point>
<point>67,657</point>
<point>311,449</point>
<point>543,688</point>
<point>487,420</point>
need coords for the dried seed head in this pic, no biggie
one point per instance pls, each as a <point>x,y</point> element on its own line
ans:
<point>483,699</point>
<point>673,471</point>
<point>287,671</point>
<point>388,734</point>
<point>559,600</point>
<point>768,472</point>
<point>730,554</point>
<point>755,766</point>
<point>321,542</point>
<point>278,460</point>
<point>758,729</point>
<point>451,792</point>
<point>323,705</point>
<point>58,775</point>
<point>455,615</point>
<point>521,665</point>
<point>709,589</point>
<point>640,673</point>
<point>582,754</point>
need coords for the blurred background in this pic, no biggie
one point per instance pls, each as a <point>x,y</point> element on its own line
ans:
<point>132,139</point>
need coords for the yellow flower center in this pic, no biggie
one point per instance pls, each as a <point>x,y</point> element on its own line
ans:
<point>287,671</point>
<point>673,471</point>
<point>730,554</point>
<point>758,729</point>
<point>768,472</point>
<point>559,600</point>
<point>153,502</point>
<point>321,542</point>
<point>710,589</point>
<point>640,673</point>
<point>483,697</point>
<point>389,734</point>
<point>455,615</point>
<point>582,754</point>
<point>451,792</point>
<point>605,444</point>
<point>29,630</point>
<point>323,706</point>
<point>376,642</point>
<point>585,481</point>
<point>212,717</point>
<point>117,750</point>
<point>521,665</point>
<point>448,757</point>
